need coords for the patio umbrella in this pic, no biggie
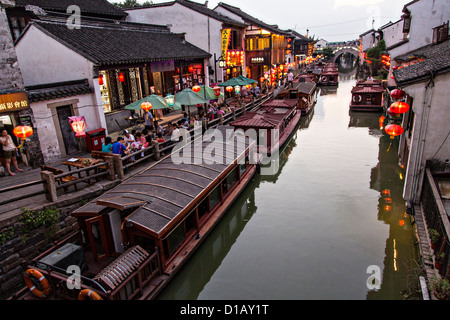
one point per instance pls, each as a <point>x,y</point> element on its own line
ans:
<point>209,93</point>
<point>248,80</point>
<point>157,102</point>
<point>187,97</point>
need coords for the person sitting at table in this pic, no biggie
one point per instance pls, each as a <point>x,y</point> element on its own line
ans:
<point>149,140</point>
<point>158,128</point>
<point>119,148</point>
<point>129,138</point>
<point>107,146</point>
<point>169,129</point>
<point>175,137</point>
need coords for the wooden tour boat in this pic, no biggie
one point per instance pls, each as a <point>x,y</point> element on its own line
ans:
<point>367,95</point>
<point>135,237</point>
<point>274,122</point>
<point>304,92</point>
<point>329,75</point>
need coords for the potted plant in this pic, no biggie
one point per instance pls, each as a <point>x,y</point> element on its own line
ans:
<point>440,287</point>
<point>434,237</point>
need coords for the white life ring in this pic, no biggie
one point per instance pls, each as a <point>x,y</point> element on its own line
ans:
<point>357,98</point>
<point>324,79</point>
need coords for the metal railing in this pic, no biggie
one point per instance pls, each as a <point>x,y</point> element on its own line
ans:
<point>437,222</point>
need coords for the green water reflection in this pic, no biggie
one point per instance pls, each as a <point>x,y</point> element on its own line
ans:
<point>311,230</point>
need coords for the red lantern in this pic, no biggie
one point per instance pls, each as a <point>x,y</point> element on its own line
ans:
<point>397,94</point>
<point>121,77</point>
<point>381,120</point>
<point>399,107</point>
<point>23,132</point>
<point>191,69</point>
<point>216,91</point>
<point>78,124</point>
<point>146,106</point>
<point>196,89</point>
<point>248,86</point>
<point>229,88</point>
<point>392,114</point>
<point>393,130</point>
<point>100,80</point>
<point>262,79</point>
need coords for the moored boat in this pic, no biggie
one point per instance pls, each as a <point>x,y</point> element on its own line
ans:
<point>274,122</point>
<point>134,238</point>
<point>367,95</point>
<point>304,92</point>
<point>329,75</point>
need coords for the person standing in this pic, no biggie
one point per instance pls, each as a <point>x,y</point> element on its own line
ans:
<point>291,79</point>
<point>148,117</point>
<point>9,150</point>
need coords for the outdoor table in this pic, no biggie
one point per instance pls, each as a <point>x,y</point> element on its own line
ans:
<point>80,163</point>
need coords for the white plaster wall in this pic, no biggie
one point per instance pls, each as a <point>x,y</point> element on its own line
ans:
<point>44,60</point>
<point>431,127</point>
<point>44,120</point>
<point>393,34</point>
<point>184,20</point>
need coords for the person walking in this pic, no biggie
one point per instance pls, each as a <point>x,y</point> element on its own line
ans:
<point>9,150</point>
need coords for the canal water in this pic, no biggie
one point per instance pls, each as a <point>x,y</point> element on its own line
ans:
<point>327,225</point>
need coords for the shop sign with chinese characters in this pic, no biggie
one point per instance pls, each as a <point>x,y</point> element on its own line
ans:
<point>13,102</point>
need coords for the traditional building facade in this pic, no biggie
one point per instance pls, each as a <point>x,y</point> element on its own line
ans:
<point>14,104</point>
<point>95,71</point>
<point>265,45</point>
<point>203,28</point>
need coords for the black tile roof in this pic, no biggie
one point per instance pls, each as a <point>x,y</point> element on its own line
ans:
<point>58,90</point>
<point>201,8</point>
<point>251,20</point>
<point>111,44</point>
<point>89,7</point>
<point>436,60</point>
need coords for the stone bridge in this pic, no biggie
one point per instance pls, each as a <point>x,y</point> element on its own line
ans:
<point>354,50</point>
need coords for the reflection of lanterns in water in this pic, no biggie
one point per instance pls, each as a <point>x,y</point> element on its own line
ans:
<point>388,200</point>
<point>401,223</point>
<point>386,192</point>
<point>387,208</point>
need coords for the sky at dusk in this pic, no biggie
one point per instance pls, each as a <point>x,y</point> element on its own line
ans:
<point>332,20</point>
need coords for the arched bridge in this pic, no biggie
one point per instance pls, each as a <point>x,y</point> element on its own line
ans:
<point>345,49</point>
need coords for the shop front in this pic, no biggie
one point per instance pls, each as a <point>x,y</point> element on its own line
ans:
<point>121,86</point>
<point>14,111</point>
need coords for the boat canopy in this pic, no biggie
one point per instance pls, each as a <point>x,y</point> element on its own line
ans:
<point>163,193</point>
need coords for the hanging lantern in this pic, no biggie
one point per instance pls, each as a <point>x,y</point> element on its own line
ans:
<point>397,94</point>
<point>392,114</point>
<point>78,124</point>
<point>191,69</point>
<point>170,100</point>
<point>393,130</point>
<point>229,88</point>
<point>381,120</point>
<point>100,80</point>
<point>399,107</point>
<point>121,77</point>
<point>23,132</point>
<point>266,75</point>
<point>216,91</point>
<point>248,86</point>
<point>196,89</point>
<point>237,89</point>
<point>146,106</point>
<point>262,79</point>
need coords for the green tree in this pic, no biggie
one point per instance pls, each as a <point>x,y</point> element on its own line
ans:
<point>130,3</point>
<point>374,55</point>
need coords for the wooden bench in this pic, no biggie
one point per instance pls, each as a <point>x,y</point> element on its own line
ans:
<point>56,172</point>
